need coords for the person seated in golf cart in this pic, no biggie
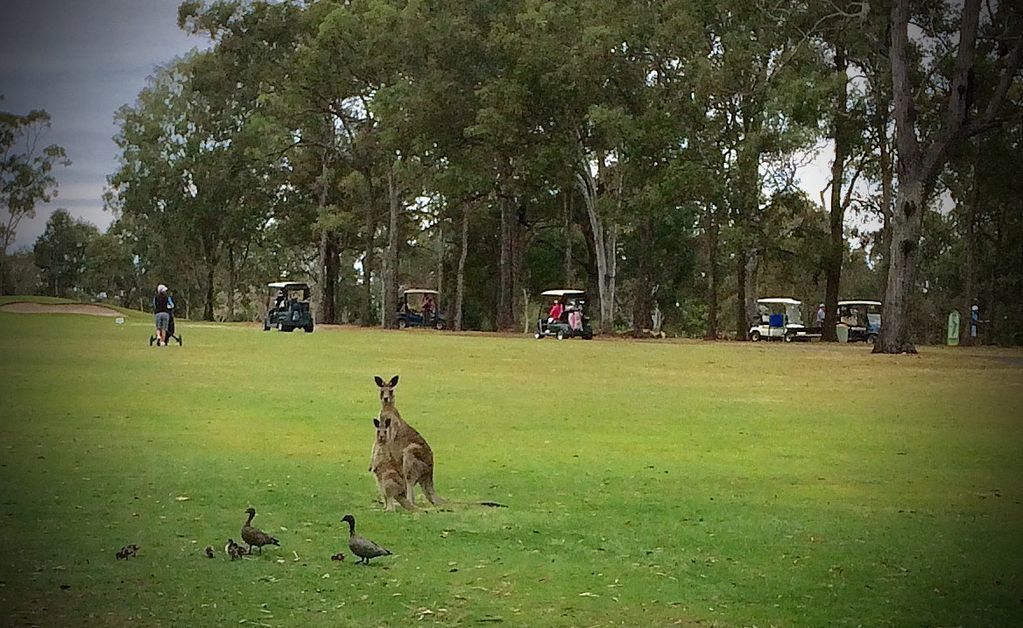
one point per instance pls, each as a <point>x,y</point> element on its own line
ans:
<point>555,312</point>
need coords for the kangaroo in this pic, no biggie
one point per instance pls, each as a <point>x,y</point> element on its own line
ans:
<point>406,447</point>
<point>390,481</point>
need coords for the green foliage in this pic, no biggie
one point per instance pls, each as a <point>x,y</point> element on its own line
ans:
<point>61,254</point>
<point>26,174</point>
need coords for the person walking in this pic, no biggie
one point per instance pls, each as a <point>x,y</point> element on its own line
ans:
<point>162,307</point>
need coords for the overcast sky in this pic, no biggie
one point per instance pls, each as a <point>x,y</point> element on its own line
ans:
<point>80,60</point>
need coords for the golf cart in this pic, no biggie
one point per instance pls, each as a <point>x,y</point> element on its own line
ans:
<point>571,323</point>
<point>863,319</point>
<point>287,304</point>
<point>779,319</point>
<point>425,316</point>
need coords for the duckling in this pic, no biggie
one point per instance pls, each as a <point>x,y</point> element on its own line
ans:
<point>338,557</point>
<point>233,550</point>
<point>254,536</point>
<point>127,552</point>
<point>209,551</point>
<point>362,547</point>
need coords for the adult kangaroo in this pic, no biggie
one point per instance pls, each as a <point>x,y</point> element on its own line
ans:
<point>406,446</point>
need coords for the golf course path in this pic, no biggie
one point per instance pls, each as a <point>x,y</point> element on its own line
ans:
<point>24,307</point>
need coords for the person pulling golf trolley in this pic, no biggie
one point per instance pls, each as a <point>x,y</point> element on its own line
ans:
<point>163,312</point>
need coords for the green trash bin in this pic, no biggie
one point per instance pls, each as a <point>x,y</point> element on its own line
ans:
<point>842,331</point>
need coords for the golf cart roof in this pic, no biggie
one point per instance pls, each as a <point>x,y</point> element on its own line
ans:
<point>563,293</point>
<point>420,291</point>
<point>779,301</point>
<point>288,285</point>
<point>877,303</point>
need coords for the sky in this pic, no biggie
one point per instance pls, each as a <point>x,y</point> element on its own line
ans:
<point>81,60</point>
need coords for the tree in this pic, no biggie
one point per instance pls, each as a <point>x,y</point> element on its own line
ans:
<point>109,268</point>
<point>61,253</point>
<point>922,155</point>
<point>26,174</point>
<point>198,170</point>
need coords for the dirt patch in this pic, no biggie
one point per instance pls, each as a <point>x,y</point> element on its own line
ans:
<point>59,308</point>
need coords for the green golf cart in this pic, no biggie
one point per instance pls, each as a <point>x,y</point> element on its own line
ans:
<point>572,322</point>
<point>287,304</point>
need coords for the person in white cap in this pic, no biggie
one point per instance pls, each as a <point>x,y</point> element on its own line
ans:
<point>162,306</point>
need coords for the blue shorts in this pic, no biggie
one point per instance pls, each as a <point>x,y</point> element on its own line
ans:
<point>162,321</point>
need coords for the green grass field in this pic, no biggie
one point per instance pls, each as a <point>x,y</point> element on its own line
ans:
<point>647,483</point>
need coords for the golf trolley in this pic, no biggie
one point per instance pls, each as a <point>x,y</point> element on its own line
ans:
<point>170,333</point>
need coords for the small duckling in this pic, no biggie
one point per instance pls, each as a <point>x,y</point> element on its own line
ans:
<point>127,552</point>
<point>254,536</point>
<point>233,550</point>
<point>360,546</point>
<point>209,551</point>
<point>338,557</point>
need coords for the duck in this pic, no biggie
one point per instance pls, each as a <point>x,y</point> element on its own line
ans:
<point>360,546</point>
<point>233,550</point>
<point>254,536</point>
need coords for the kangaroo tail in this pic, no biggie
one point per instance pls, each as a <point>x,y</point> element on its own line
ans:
<point>431,494</point>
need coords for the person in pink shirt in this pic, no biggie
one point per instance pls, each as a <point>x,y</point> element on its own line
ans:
<point>555,314</point>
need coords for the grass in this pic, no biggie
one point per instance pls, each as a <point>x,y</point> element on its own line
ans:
<point>647,483</point>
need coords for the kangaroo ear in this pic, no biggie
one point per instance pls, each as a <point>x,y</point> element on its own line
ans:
<point>394,381</point>
<point>376,422</point>
<point>380,382</point>
<point>387,422</point>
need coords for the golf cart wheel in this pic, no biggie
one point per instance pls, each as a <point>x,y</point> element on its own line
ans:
<point>587,336</point>
<point>561,335</point>
<point>308,329</point>
<point>871,339</point>
<point>402,324</point>
<point>266,324</point>
<point>789,337</point>
<point>537,335</point>
<point>438,325</point>
<point>287,328</point>
<point>754,336</point>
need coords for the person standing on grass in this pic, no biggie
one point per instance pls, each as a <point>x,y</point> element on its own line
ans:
<point>162,306</point>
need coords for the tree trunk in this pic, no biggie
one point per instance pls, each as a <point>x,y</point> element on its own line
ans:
<point>330,267</point>
<point>207,313</point>
<point>460,278</point>
<point>604,238</point>
<point>836,244</point>
<point>887,177</point>
<point>751,275</point>
<point>712,230</point>
<point>969,270</point>
<point>567,202</point>
<point>741,320</point>
<point>367,317</point>
<point>906,224</point>
<point>505,318</point>
<point>390,296</point>
<point>642,298</point>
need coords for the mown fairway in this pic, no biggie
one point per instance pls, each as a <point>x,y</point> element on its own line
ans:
<point>647,483</point>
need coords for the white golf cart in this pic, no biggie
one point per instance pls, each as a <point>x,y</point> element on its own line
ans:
<point>779,319</point>
<point>863,319</point>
